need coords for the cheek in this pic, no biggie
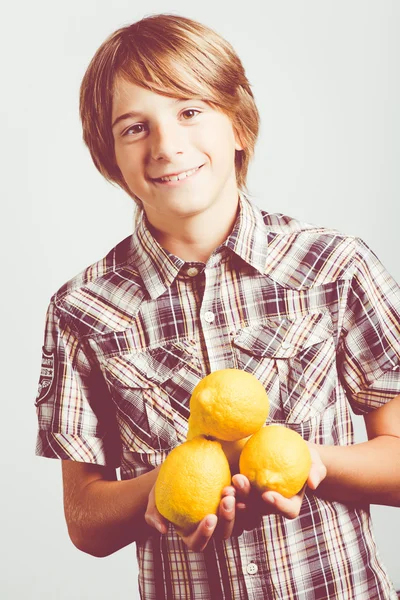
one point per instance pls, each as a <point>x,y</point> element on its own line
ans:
<point>127,160</point>
<point>119,157</point>
<point>218,140</point>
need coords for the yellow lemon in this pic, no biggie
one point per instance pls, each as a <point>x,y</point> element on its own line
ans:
<point>229,405</point>
<point>276,458</point>
<point>232,452</point>
<point>232,449</point>
<point>190,482</point>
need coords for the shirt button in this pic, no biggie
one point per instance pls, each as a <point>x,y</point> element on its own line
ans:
<point>209,316</point>
<point>192,271</point>
<point>252,568</point>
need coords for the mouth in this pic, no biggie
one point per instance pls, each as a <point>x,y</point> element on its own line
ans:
<point>178,176</point>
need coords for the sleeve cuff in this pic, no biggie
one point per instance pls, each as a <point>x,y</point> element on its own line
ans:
<point>378,393</point>
<point>64,446</point>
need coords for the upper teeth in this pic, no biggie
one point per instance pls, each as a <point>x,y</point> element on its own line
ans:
<point>180,176</point>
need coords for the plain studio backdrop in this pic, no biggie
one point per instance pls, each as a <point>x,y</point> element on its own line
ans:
<point>326,77</point>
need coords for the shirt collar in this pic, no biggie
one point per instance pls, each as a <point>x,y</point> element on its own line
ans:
<point>248,238</point>
<point>158,268</point>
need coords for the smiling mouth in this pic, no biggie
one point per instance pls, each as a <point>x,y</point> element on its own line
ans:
<point>183,175</point>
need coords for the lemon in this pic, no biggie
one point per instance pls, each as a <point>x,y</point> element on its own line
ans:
<point>276,458</point>
<point>190,482</point>
<point>232,452</point>
<point>229,405</point>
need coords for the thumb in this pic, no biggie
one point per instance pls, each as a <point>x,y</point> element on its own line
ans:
<point>316,475</point>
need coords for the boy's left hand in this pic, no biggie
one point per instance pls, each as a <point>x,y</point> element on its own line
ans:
<point>251,505</point>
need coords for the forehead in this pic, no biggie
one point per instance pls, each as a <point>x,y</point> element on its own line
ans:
<point>126,92</point>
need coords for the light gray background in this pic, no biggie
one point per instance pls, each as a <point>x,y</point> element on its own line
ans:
<point>326,78</point>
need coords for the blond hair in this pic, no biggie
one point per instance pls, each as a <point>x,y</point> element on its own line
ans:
<point>174,56</point>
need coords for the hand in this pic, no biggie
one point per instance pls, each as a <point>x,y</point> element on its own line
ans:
<point>198,538</point>
<point>251,505</point>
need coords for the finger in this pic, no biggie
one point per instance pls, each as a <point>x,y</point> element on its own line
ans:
<point>229,490</point>
<point>199,539</point>
<point>157,521</point>
<point>316,475</point>
<point>152,516</point>
<point>318,470</point>
<point>287,507</point>
<point>249,506</point>
<point>226,516</point>
<point>242,486</point>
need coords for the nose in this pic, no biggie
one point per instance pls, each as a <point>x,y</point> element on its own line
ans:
<point>166,141</point>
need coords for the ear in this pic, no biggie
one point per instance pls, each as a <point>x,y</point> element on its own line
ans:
<point>239,145</point>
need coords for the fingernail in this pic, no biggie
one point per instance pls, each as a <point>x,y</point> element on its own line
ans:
<point>159,527</point>
<point>240,483</point>
<point>270,498</point>
<point>228,504</point>
<point>210,522</point>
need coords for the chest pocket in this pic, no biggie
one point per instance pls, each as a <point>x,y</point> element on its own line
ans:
<point>295,360</point>
<point>151,391</point>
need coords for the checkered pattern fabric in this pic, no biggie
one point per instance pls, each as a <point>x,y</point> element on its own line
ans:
<point>310,312</point>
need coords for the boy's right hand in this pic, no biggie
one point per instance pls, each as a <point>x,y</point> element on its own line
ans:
<point>198,539</point>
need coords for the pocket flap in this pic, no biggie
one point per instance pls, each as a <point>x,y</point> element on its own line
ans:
<point>283,338</point>
<point>142,369</point>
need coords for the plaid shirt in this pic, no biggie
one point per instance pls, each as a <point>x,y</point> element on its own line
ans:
<point>310,312</point>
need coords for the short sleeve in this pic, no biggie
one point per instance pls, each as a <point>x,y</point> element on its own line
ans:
<point>76,418</point>
<point>370,343</point>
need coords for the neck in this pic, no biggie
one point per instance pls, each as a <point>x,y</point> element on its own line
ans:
<point>194,238</point>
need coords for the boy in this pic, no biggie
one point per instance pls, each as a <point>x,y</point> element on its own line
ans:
<point>208,281</point>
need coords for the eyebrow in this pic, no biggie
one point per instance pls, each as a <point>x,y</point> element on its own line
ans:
<point>135,115</point>
<point>129,115</point>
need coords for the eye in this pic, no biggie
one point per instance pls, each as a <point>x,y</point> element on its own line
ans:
<point>190,113</point>
<point>136,129</point>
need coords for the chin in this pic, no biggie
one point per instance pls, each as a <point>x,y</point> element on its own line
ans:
<point>187,206</point>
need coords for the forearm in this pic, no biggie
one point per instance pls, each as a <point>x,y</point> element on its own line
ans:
<point>109,515</point>
<point>365,473</point>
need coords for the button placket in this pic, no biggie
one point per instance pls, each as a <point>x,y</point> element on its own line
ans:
<point>252,568</point>
<point>209,319</point>
<point>209,316</point>
<point>286,345</point>
<point>214,328</point>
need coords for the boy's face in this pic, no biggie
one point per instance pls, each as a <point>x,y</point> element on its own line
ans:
<point>157,136</point>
